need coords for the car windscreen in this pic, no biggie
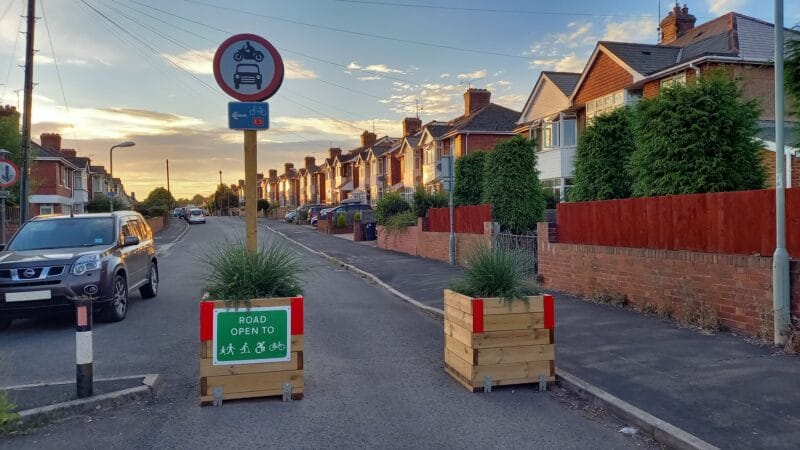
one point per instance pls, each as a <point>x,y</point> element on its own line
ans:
<point>197,212</point>
<point>64,233</point>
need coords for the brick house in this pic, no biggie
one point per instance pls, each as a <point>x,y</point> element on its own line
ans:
<point>372,169</point>
<point>348,182</point>
<point>308,181</point>
<point>621,73</point>
<point>52,176</point>
<point>547,120</point>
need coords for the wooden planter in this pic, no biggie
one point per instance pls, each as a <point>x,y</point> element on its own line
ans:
<point>251,379</point>
<point>510,342</point>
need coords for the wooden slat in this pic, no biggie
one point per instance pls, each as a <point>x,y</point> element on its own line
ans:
<point>492,306</point>
<point>458,301</point>
<point>208,369</point>
<point>514,371</point>
<point>255,381</point>
<point>458,317</point>
<point>505,322</point>
<point>464,368</point>
<point>460,378</point>
<point>296,391</point>
<point>513,338</point>
<point>506,355</point>
<point>458,333</point>
<point>461,350</point>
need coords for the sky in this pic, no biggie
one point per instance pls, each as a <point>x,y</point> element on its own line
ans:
<point>109,71</point>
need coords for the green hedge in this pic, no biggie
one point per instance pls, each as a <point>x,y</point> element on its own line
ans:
<point>423,200</point>
<point>390,205</point>
<point>468,188</point>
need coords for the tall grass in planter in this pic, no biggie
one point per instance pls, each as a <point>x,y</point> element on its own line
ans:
<point>497,272</point>
<point>237,275</point>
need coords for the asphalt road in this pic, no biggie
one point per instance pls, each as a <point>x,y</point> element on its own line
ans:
<point>373,368</point>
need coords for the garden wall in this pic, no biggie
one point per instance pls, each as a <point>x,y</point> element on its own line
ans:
<point>432,244</point>
<point>157,224</point>
<point>736,289</point>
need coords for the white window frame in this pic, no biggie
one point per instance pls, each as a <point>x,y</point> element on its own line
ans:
<point>550,136</point>
<point>48,206</point>
<point>673,80</point>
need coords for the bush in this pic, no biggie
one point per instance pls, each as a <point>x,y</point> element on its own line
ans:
<point>512,187</point>
<point>142,209</point>
<point>550,199</point>
<point>390,205</point>
<point>401,221</point>
<point>238,275</point>
<point>696,138</point>
<point>7,414</point>
<point>498,272</point>
<point>158,211</point>
<point>262,205</point>
<point>357,216</point>
<point>341,220</point>
<point>468,188</point>
<point>424,200</point>
<point>601,161</point>
<point>301,216</point>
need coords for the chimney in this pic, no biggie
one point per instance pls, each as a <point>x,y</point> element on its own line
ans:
<point>68,153</point>
<point>411,125</point>
<point>475,99</point>
<point>8,110</point>
<point>273,173</point>
<point>51,141</point>
<point>334,152</point>
<point>310,160</point>
<point>287,167</point>
<point>677,23</point>
<point>367,139</point>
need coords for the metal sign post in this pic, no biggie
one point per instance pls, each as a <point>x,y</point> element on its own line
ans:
<point>448,181</point>
<point>248,68</point>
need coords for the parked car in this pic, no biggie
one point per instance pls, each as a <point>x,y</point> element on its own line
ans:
<point>52,260</point>
<point>196,215</point>
<point>314,212</point>
<point>349,208</point>
<point>290,215</point>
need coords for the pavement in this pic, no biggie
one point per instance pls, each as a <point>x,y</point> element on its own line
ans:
<point>373,375</point>
<point>721,388</point>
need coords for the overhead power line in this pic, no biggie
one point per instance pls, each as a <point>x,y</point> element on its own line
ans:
<point>359,33</point>
<point>13,56</point>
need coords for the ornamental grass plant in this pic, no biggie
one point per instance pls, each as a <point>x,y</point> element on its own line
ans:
<point>496,272</point>
<point>238,275</point>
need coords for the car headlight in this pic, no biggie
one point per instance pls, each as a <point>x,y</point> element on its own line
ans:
<point>86,263</point>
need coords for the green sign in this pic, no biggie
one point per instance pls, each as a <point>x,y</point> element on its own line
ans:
<point>250,336</point>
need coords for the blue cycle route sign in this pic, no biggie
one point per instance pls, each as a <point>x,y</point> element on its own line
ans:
<point>248,115</point>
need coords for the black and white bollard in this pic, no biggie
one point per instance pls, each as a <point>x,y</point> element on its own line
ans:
<point>83,348</point>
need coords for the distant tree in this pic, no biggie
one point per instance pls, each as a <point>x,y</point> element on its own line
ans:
<point>512,187</point>
<point>11,140</point>
<point>182,202</point>
<point>159,198</point>
<point>225,198</point>
<point>198,200</point>
<point>100,203</point>
<point>698,137</point>
<point>601,161</point>
<point>468,188</point>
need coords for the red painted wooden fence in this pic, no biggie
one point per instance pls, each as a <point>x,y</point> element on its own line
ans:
<point>727,222</point>
<point>467,219</point>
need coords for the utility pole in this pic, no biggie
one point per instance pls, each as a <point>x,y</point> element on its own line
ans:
<point>168,189</point>
<point>26,113</point>
<point>780,259</point>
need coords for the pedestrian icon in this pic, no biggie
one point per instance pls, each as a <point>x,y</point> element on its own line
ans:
<point>248,52</point>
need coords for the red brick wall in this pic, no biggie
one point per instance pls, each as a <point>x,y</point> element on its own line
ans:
<point>475,142</point>
<point>156,224</point>
<point>405,241</point>
<point>651,89</point>
<point>737,287</point>
<point>45,179</point>
<point>604,77</point>
<point>429,244</point>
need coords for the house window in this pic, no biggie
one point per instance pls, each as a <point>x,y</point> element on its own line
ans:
<point>46,208</point>
<point>570,131</point>
<point>550,134</point>
<point>429,153</point>
<point>604,105</point>
<point>673,80</point>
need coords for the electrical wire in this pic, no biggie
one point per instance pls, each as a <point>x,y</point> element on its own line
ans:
<point>359,33</point>
<point>58,73</point>
<point>8,8</point>
<point>11,60</point>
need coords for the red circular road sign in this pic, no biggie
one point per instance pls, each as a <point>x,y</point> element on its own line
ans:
<point>9,173</point>
<point>248,68</point>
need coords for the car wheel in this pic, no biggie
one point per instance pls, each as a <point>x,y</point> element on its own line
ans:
<point>150,289</point>
<point>5,324</point>
<point>118,308</point>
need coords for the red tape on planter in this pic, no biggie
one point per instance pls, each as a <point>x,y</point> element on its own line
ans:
<point>206,321</point>
<point>296,305</point>
<point>549,312</point>
<point>477,315</point>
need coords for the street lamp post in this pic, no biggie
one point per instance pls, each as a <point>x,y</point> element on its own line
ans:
<point>111,168</point>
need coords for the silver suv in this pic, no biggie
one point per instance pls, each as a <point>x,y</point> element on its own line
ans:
<point>52,260</point>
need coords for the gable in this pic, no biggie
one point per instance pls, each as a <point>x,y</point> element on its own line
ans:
<point>546,99</point>
<point>602,77</point>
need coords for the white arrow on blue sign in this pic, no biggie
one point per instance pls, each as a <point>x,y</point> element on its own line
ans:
<point>248,115</point>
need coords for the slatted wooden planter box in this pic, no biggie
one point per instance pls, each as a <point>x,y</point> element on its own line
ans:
<point>512,343</point>
<point>272,330</point>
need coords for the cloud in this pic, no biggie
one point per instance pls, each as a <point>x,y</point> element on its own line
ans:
<point>201,62</point>
<point>444,75</point>
<point>567,63</point>
<point>504,82</point>
<point>380,68</point>
<point>578,35</point>
<point>476,75</point>
<point>724,6</point>
<point>513,101</point>
<point>437,100</point>
<point>370,78</point>
<point>638,30</point>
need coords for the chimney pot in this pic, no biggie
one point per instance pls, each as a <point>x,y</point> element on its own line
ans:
<point>368,138</point>
<point>310,162</point>
<point>411,125</point>
<point>334,152</point>
<point>677,23</point>
<point>51,141</point>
